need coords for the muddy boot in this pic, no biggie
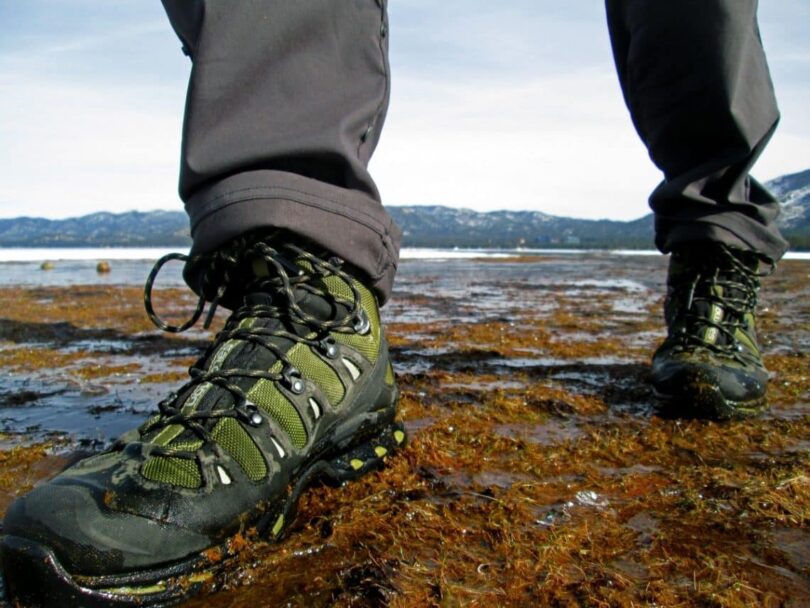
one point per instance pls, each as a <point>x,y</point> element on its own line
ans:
<point>296,388</point>
<point>710,365</point>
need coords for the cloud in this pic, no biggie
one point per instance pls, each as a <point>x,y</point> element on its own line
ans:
<point>70,149</point>
<point>563,145</point>
<point>36,51</point>
<point>91,120</point>
<point>560,144</point>
<point>495,105</point>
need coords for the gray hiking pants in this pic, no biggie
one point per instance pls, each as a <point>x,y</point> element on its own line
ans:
<point>287,99</point>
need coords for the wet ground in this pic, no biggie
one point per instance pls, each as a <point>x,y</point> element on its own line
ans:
<point>539,469</point>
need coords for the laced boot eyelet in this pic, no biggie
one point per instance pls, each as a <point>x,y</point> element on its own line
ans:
<point>361,323</point>
<point>256,419</point>
<point>249,412</point>
<point>293,381</point>
<point>328,348</point>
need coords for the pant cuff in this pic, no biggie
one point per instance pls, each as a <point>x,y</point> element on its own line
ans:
<point>728,228</point>
<point>350,224</point>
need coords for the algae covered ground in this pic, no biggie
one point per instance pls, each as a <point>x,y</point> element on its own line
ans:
<point>540,471</point>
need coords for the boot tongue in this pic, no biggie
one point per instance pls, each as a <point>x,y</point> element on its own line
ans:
<point>264,288</point>
<point>259,298</point>
<point>318,306</point>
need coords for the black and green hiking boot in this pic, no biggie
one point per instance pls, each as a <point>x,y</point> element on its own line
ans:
<point>710,365</point>
<point>296,388</point>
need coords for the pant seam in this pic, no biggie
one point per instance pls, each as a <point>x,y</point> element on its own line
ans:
<point>385,259</point>
<point>372,124</point>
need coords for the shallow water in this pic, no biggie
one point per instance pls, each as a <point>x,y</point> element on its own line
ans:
<point>540,470</point>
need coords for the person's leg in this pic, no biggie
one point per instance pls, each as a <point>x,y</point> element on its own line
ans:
<point>696,82</point>
<point>285,107</point>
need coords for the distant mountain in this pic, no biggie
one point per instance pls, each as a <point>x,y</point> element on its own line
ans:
<point>423,226</point>
<point>435,226</point>
<point>794,192</point>
<point>428,226</point>
<point>131,229</point>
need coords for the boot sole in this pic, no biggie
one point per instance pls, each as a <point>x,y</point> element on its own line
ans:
<point>35,578</point>
<point>699,399</point>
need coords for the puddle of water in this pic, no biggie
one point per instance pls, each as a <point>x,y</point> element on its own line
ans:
<point>551,433</point>
<point>646,526</point>
<point>499,479</point>
<point>89,411</point>
<point>609,284</point>
<point>414,426</point>
<point>589,498</point>
<point>485,386</point>
<point>98,346</point>
<point>795,544</point>
<point>630,306</point>
<point>525,362</point>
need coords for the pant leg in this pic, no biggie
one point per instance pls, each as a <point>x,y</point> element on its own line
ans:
<point>696,82</point>
<point>284,109</point>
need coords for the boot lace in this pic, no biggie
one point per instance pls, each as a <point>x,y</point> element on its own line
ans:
<point>739,284</point>
<point>223,273</point>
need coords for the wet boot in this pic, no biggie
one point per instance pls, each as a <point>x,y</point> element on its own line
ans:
<point>296,388</point>
<point>710,364</point>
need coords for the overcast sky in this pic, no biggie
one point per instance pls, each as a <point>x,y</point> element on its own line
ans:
<point>510,104</point>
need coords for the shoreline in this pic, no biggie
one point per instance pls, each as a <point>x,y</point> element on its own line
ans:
<point>13,255</point>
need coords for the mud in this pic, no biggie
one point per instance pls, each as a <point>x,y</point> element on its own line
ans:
<point>540,469</point>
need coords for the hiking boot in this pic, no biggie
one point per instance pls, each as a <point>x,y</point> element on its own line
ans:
<point>710,365</point>
<point>296,388</point>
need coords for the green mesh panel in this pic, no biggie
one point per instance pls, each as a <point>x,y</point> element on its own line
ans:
<point>340,289</point>
<point>234,439</point>
<point>389,375</point>
<point>365,345</point>
<point>167,435</point>
<point>368,345</point>
<point>314,368</point>
<point>149,423</point>
<point>305,264</point>
<point>265,394</point>
<point>175,471</point>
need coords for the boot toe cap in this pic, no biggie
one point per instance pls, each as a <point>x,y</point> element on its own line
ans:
<point>89,539</point>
